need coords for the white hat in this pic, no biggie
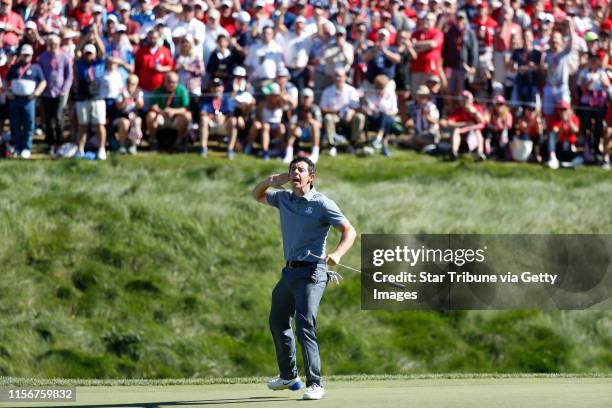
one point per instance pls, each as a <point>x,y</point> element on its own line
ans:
<point>121,28</point>
<point>26,49</point>
<point>70,34</point>
<point>422,14</point>
<point>300,19</point>
<point>179,32</point>
<point>307,92</point>
<point>384,32</point>
<point>89,48</point>
<point>113,18</point>
<point>244,98</point>
<point>423,1</point>
<point>214,13</point>
<point>239,71</point>
<point>31,25</point>
<point>227,3</point>
<point>159,21</point>
<point>201,4</point>
<point>259,3</point>
<point>242,16</point>
<point>125,6</point>
<point>97,9</point>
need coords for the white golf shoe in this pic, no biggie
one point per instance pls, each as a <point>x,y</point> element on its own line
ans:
<point>314,392</point>
<point>278,383</point>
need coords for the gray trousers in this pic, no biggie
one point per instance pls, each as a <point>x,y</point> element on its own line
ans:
<point>297,294</point>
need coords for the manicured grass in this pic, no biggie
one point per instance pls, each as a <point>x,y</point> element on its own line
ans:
<point>161,267</point>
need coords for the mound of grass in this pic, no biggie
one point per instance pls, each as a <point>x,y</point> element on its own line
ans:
<point>162,267</point>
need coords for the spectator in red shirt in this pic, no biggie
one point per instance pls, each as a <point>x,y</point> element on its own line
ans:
<point>563,135</point>
<point>467,121</point>
<point>133,28</point>
<point>32,37</point>
<point>428,42</point>
<point>152,61</point>
<point>83,13</point>
<point>502,43</point>
<point>484,27</point>
<point>13,23</point>
<point>227,20</point>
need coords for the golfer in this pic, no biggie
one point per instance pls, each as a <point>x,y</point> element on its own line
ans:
<point>305,216</point>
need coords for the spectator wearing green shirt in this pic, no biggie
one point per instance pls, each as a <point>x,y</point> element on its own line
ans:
<point>169,107</point>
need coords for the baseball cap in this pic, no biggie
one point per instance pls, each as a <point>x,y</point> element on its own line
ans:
<point>499,100</point>
<point>422,14</point>
<point>467,95</point>
<point>242,16</point>
<point>202,5</point>
<point>121,28</point>
<point>462,14</point>
<point>217,82</point>
<point>179,32</point>
<point>563,105</point>
<point>422,1</point>
<point>307,92</point>
<point>97,9</point>
<point>384,32</point>
<point>239,71</point>
<point>113,18</point>
<point>26,49</point>
<point>125,7</point>
<point>422,90</point>
<point>89,48</point>
<point>591,36</point>
<point>355,10</point>
<point>433,78</point>
<point>259,3</point>
<point>300,19</point>
<point>340,30</point>
<point>2,27</point>
<point>227,3</point>
<point>31,25</point>
<point>271,89</point>
<point>282,72</point>
<point>385,15</point>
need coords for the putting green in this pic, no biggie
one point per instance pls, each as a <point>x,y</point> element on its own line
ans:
<point>418,393</point>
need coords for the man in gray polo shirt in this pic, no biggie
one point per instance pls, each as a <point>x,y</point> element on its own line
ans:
<point>306,216</point>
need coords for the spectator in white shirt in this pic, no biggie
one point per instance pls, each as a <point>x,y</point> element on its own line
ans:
<point>380,105</point>
<point>339,104</point>
<point>264,59</point>
<point>297,44</point>
<point>213,30</point>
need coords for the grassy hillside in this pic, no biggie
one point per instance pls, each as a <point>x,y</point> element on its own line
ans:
<point>162,266</point>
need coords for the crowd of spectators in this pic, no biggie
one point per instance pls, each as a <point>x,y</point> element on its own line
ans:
<point>513,79</point>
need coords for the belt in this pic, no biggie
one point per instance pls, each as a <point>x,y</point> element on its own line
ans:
<point>302,264</point>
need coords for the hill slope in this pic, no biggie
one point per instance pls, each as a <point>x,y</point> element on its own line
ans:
<point>162,266</point>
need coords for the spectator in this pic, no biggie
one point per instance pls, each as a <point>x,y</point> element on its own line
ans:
<point>360,45</point>
<point>305,126</point>
<point>407,54</point>
<point>467,122</point>
<point>297,44</point>
<point>25,83</point>
<point>268,120</point>
<point>380,106</point>
<point>121,49</point>
<point>190,67</point>
<point>323,39</point>
<point>242,94</point>
<point>594,84</point>
<point>13,23</point>
<point>381,60</point>
<point>531,127</point>
<point>128,123</point>
<point>428,43</point>
<point>56,66</point>
<point>527,63</point>
<point>498,127</point>
<point>502,43</point>
<point>193,27</point>
<point>242,38</point>
<point>169,107</point>
<point>264,59</point>
<point>215,111</point>
<point>562,136</point>
<point>153,61</point>
<point>339,104</point>
<point>213,30</point>
<point>144,15</point>
<point>425,119</point>
<point>221,62</point>
<point>90,105</point>
<point>132,27</point>
<point>559,65</point>
<point>460,54</point>
<point>111,87</point>
<point>484,26</point>
<point>338,54</point>
<point>31,36</point>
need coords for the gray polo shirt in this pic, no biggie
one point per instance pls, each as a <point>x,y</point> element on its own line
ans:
<point>305,222</point>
